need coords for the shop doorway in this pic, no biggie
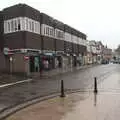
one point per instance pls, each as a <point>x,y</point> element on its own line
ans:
<point>34,63</point>
<point>74,61</point>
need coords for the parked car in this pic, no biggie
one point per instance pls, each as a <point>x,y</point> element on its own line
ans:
<point>116,61</point>
<point>105,62</point>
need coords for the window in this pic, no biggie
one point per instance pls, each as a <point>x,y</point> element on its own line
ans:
<point>21,23</point>
<point>44,30</point>
<point>8,26</point>
<point>26,24</point>
<point>12,25</point>
<point>16,28</point>
<point>47,31</point>
<point>32,26</point>
<point>36,27</point>
<point>5,27</point>
<point>19,27</point>
<point>51,32</point>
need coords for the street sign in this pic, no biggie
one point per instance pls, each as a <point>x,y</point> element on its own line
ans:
<point>6,51</point>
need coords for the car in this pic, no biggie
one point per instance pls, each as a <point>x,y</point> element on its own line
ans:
<point>105,62</point>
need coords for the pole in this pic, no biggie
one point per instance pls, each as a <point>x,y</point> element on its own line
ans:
<point>62,89</point>
<point>11,69</point>
<point>95,85</point>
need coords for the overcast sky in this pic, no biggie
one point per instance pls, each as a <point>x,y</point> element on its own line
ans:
<point>99,19</point>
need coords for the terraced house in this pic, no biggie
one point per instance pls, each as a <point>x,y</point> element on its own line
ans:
<point>29,37</point>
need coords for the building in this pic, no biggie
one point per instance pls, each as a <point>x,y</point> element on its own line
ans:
<point>28,38</point>
<point>89,53</point>
<point>22,37</point>
<point>107,54</point>
<point>93,48</point>
<point>99,48</point>
<point>95,52</point>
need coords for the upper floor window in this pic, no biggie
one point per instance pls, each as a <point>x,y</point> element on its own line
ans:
<point>12,25</point>
<point>21,24</point>
<point>32,26</point>
<point>47,30</point>
<point>59,34</point>
<point>26,23</point>
<point>8,26</point>
<point>16,26</point>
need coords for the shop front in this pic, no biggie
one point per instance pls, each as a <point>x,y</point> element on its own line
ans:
<point>48,61</point>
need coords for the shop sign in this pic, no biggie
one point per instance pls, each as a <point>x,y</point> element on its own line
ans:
<point>49,54</point>
<point>26,57</point>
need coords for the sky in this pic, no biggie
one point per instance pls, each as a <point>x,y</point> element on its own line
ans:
<point>98,19</point>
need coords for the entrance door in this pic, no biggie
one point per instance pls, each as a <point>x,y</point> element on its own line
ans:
<point>34,64</point>
<point>31,64</point>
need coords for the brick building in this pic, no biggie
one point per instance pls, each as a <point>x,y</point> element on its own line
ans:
<point>107,54</point>
<point>28,37</point>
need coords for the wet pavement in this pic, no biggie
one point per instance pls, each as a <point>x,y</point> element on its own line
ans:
<point>7,78</point>
<point>79,106</point>
<point>79,80</point>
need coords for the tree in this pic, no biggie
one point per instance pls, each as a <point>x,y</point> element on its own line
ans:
<point>118,49</point>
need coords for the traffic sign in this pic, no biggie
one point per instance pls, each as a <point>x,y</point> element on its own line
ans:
<point>6,51</point>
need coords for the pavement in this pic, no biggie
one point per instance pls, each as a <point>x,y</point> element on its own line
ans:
<point>7,78</point>
<point>85,105</point>
<point>81,80</point>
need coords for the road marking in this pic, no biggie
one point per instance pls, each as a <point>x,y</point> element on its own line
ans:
<point>10,84</point>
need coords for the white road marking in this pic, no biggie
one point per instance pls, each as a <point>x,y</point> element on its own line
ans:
<point>10,84</point>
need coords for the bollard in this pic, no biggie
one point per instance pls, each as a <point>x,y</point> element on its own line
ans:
<point>95,85</point>
<point>62,89</point>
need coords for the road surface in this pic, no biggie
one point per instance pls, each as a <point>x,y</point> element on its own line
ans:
<point>105,105</point>
<point>79,80</point>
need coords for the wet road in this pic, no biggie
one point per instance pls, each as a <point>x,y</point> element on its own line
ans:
<point>105,105</point>
<point>82,80</point>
